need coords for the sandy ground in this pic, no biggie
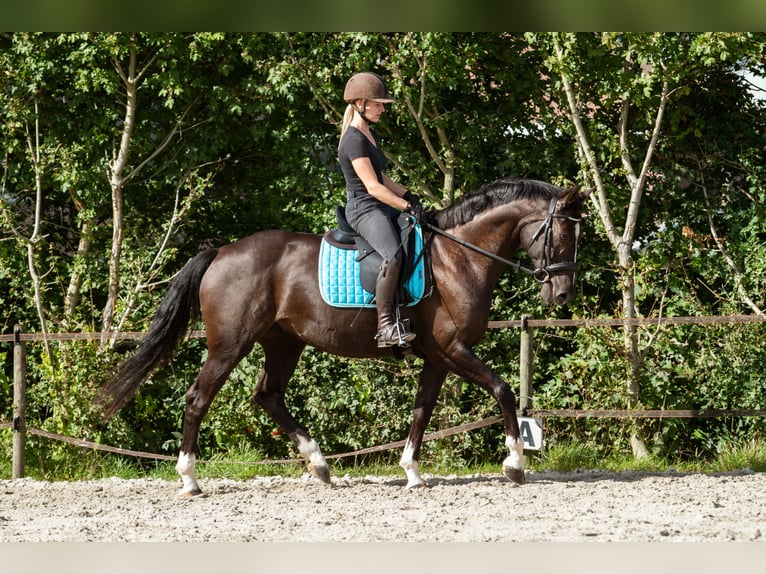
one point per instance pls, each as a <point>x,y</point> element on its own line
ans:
<point>551,507</point>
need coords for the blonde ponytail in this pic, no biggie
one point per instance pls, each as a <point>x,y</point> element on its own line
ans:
<point>348,117</point>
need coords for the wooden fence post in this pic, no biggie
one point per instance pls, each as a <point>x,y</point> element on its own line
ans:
<point>19,402</point>
<point>525,364</point>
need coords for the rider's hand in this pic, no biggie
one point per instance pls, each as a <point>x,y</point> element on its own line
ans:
<point>416,210</point>
<point>412,199</point>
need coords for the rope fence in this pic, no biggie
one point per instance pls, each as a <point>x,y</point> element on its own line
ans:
<point>537,413</point>
<point>19,338</point>
<point>636,322</point>
<point>518,323</point>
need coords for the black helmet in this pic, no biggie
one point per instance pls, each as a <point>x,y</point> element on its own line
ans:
<point>367,86</point>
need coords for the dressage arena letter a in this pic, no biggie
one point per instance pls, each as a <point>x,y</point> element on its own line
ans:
<point>531,433</point>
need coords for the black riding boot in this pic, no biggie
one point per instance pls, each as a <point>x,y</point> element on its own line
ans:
<point>390,332</point>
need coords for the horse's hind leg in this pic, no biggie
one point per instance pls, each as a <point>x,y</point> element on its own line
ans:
<point>431,381</point>
<point>200,395</point>
<point>281,358</point>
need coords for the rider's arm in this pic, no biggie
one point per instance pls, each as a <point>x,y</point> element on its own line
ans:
<point>388,192</point>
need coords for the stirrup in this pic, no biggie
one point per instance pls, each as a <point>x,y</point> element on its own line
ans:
<point>394,335</point>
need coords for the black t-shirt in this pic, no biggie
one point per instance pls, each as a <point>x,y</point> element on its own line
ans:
<point>353,146</point>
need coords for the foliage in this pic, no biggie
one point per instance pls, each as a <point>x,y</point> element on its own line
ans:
<point>237,132</point>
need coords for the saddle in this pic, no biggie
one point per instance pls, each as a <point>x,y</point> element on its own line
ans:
<point>348,265</point>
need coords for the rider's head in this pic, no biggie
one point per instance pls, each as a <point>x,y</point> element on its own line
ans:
<point>362,88</point>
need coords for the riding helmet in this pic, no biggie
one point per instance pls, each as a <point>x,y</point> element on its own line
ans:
<point>367,86</point>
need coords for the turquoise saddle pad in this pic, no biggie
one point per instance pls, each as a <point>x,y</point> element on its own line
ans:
<point>340,276</point>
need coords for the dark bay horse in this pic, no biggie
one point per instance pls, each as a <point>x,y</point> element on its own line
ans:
<point>263,289</point>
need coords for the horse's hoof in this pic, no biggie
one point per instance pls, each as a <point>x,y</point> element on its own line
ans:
<point>320,472</point>
<point>190,493</point>
<point>415,485</point>
<point>515,475</point>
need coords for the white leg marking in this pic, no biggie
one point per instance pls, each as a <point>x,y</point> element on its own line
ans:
<point>185,467</point>
<point>410,466</point>
<point>515,458</point>
<point>316,461</point>
<point>513,465</point>
<point>311,451</point>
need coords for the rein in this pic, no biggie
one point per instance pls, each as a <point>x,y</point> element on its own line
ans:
<point>516,265</point>
<point>541,274</point>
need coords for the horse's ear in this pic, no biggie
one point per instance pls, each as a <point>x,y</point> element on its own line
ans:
<point>585,194</point>
<point>570,195</point>
<point>573,195</point>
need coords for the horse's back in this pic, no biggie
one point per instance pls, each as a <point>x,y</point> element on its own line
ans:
<point>270,245</point>
<point>264,252</point>
<point>251,271</point>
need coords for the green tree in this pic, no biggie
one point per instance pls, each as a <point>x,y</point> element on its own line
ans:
<point>111,146</point>
<point>613,93</point>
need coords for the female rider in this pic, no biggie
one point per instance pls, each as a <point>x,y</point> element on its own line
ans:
<point>373,198</point>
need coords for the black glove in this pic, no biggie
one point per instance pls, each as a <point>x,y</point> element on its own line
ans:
<point>412,199</point>
<point>416,210</point>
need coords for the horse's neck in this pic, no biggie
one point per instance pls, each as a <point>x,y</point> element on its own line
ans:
<point>495,231</point>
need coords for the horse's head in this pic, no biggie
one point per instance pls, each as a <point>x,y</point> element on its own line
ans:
<point>551,243</point>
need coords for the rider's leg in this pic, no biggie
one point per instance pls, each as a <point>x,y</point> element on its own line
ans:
<point>378,226</point>
<point>391,332</point>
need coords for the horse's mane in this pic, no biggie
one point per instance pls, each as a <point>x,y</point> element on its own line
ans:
<point>496,193</point>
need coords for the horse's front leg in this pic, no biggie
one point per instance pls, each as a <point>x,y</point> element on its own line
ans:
<point>467,365</point>
<point>431,380</point>
<point>513,465</point>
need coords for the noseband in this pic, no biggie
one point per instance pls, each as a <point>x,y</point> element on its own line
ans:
<point>543,274</point>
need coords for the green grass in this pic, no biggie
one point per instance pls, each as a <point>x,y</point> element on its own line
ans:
<point>569,457</point>
<point>751,454</point>
<point>64,462</point>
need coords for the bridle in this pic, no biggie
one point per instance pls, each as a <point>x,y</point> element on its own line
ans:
<point>544,273</point>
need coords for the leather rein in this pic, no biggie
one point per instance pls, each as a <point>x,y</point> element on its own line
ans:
<point>542,274</point>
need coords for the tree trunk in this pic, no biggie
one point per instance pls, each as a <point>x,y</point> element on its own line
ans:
<point>621,242</point>
<point>116,183</point>
<point>73,293</point>
<point>34,151</point>
<point>630,342</point>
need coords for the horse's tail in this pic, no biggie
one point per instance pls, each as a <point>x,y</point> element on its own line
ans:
<point>166,330</point>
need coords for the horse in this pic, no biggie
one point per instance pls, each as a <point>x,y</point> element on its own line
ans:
<point>263,289</point>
